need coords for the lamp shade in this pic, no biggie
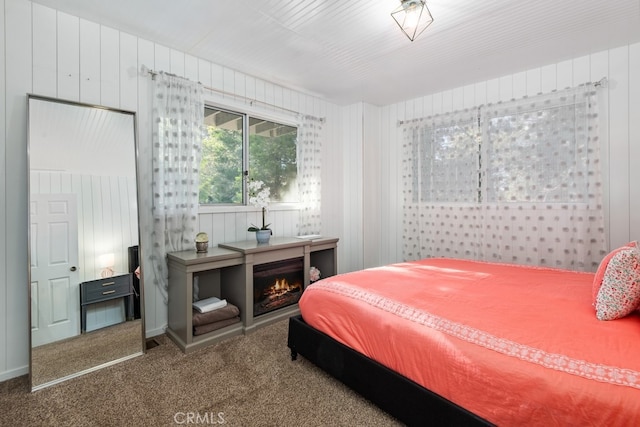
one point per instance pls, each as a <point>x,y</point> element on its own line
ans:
<point>106,262</point>
<point>413,17</point>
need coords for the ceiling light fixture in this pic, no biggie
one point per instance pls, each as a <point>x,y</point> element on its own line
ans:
<point>413,17</point>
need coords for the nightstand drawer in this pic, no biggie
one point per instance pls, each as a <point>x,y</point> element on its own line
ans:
<point>105,289</point>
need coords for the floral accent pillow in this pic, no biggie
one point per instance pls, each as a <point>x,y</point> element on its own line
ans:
<point>619,294</point>
<point>597,280</point>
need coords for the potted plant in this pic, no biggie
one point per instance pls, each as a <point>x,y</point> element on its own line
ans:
<point>259,197</point>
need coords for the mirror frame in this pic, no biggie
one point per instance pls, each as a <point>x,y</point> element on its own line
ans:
<point>133,114</point>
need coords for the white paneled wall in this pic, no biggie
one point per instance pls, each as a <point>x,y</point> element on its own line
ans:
<point>619,130</point>
<point>353,189</point>
<point>50,53</point>
<point>11,360</point>
<point>55,54</point>
<point>374,235</point>
<point>106,209</point>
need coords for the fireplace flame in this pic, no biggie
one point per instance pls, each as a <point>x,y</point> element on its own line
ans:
<point>277,285</point>
<point>281,287</point>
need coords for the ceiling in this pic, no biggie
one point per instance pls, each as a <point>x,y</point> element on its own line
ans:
<point>350,51</point>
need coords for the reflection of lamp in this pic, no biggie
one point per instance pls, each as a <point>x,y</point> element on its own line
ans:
<point>413,17</point>
<point>106,263</point>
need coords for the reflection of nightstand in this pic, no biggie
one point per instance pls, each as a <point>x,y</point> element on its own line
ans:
<point>95,291</point>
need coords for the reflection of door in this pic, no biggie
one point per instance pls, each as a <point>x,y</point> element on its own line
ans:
<point>55,301</point>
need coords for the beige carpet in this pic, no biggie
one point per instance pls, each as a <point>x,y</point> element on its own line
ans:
<point>85,351</point>
<point>244,381</point>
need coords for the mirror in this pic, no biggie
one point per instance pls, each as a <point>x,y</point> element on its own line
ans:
<point>85,300</point>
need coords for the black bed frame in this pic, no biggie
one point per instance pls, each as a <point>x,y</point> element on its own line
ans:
<point>402,398</point>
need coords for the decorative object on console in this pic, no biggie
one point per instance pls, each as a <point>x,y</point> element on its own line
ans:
<point>413,17</point>
<point>209,304</point>
<point>202,242</point>
<point>259,197</point>
<point>314,274</point>
<point>263,236</point>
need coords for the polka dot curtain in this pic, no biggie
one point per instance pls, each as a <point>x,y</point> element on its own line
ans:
<point>515,182</point>
<point>309,157</point>
<point>177,134</point>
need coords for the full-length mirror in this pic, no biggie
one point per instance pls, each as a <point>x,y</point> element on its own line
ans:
<point>85,298</point>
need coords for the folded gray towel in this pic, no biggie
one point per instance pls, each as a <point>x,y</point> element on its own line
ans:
<point>199,330</point>
<point>223,313</point>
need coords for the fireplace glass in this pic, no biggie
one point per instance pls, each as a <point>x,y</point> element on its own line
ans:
<point>277,285</point>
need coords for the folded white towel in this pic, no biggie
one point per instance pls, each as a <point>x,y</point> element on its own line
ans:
<point>209,304</point>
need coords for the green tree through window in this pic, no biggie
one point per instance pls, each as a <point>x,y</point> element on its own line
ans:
<point>269,150</point>
<point>272,157</point>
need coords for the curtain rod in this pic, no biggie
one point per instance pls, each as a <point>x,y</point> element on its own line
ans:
<point>602,82</point>
<point>223,92</point>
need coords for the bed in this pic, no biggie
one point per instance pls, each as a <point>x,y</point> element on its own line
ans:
<point>458,342</point>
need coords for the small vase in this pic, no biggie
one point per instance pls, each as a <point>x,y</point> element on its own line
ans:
<point>201,247</point>
<point>262,236</point>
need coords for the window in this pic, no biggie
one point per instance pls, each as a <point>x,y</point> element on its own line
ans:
<point>515,181</point>
<point>537,153</point>
<point>519,152</point>
<point>449,153</point>
<point>238,145</point>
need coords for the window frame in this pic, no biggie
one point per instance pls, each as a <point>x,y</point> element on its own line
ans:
<point>247,111</point>
<point>578,109</point>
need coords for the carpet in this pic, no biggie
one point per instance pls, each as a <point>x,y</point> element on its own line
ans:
<point>243,381</point>
<point>62,358</point>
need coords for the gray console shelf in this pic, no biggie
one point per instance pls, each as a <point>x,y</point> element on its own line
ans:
<point>227,273</point>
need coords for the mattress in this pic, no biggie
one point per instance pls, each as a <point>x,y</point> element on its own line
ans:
<point>513,344</point>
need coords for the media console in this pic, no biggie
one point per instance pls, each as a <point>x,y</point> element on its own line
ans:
<point>227,272</point>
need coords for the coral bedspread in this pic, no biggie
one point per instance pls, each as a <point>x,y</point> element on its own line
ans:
<point>515,345</point>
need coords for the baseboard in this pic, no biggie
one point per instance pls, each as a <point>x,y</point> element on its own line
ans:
<point>150,333</point>
<point>13,373</point>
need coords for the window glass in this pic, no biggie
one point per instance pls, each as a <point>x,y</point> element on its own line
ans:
<point>537,156</point>
<point>523,151</point>
<point>272,158</point>
<point>221,163</point>
<point>267,147</point>
<point>450,170</point>
<point>447,158</point>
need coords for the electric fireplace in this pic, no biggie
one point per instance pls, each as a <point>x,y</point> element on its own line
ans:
<point>277,284</point>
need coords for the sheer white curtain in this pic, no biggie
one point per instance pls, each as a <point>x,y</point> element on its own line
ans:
<point>309,158</point>
<point>440,180</point>
<point>516,182</point>
<point>177,120</point>
<point>542,181</point>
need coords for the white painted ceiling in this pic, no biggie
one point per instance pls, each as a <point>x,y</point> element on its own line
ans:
<point>351,50</point>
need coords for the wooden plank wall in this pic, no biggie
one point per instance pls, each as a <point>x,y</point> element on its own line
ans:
<point>55,54</point>
<point>107,221</point>
<point>619,131</point>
